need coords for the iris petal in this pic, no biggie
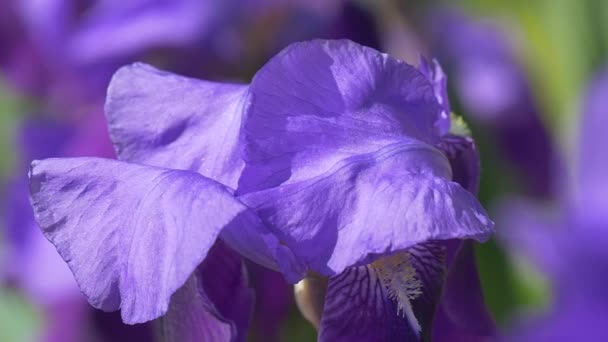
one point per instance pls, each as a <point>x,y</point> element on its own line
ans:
<point>349,100</point>
<point>192,317</point>
<point>215,304</point>
<point>464,160</point>
<point>225,281</point>
<point>402,189</point>
<point>188,125</point>
<point>434,73</point>
<point>131,234</point>
<point>392,299</point>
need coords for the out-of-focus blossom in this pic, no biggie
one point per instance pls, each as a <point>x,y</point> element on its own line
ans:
<point>78,45</point>
<point>592,196</point>
<point>331,161</point>
<point>494,90</point>
<point>571,247</point>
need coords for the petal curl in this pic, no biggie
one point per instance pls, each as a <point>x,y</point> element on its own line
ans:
<point>318,102</point>
<point>161,119</point>
<point>131,234</point>
<point>434,73</point>
<point>401,192</point>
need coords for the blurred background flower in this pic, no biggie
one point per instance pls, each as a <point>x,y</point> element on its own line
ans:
<point>520,73</point>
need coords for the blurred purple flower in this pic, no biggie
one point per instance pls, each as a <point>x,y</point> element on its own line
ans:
<point>76,45</point>
<point>592,196</point>
<point>330,161</point>
<point>571,248</point>
<point>494,90</point>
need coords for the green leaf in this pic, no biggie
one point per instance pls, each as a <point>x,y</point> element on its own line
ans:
<point>19,321</point>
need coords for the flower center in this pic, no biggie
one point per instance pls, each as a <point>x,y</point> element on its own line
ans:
<point>399,279</point>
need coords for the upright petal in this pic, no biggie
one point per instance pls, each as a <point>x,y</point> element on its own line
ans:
<point>392,299</point>
<point>318,102</point>
<point>131,234</point>
<point>402,191</point>
<point>434,73</point>
<point>160,119</point>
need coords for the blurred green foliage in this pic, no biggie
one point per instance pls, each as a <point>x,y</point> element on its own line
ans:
<point>19,320</point>
<point>9,113</point>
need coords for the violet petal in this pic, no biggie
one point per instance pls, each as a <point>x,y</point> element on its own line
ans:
<point>393,299</point>
<point>131,234</point>
<point>161,119</point>
<point>347,100</point>
<point>403,190</point>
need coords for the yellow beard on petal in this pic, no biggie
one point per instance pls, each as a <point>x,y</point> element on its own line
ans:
<point>399,279</point>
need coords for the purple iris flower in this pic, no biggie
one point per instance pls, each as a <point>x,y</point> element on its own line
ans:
<point>74,46</point>
<point>571,248</point>
<point>493,89</point>
<point>331,162</point>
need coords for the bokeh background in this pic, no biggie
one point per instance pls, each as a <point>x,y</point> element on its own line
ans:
<point>517,70</point>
